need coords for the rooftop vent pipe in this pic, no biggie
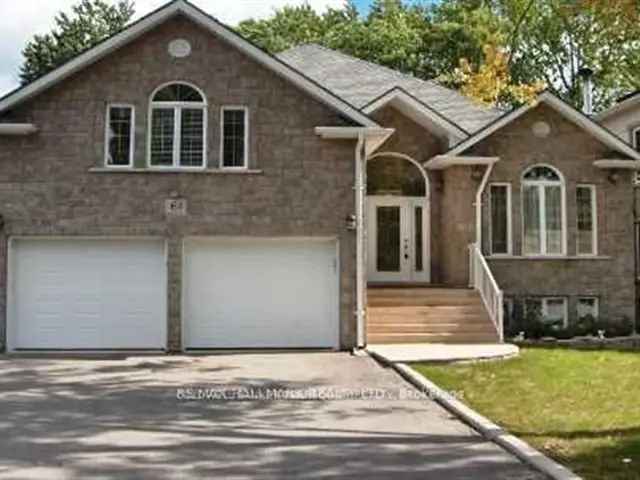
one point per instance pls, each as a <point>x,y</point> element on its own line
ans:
<point>587,90</point>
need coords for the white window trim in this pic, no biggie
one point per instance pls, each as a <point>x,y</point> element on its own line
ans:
<point>594,220</point>
<point>540,184</point>
<point>545,308</point>
<point>509,221</point>
<point>132,146</point>
<point>245,164</point>
<point>177,119</point>
<point>596,304</point>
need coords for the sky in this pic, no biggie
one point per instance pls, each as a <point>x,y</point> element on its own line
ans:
<point>21,19</point>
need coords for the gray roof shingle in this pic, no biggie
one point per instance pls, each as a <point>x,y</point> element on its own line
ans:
<point>359,82</point>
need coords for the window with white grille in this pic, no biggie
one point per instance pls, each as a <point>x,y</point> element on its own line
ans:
<point>543,212</point>
<point>178,127</point>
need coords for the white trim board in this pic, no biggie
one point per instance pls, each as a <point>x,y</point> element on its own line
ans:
<point>15,129</point>
<point>214,26</point>
<point>442,162</point>
<point>564,109</point>
<point>616,164</point>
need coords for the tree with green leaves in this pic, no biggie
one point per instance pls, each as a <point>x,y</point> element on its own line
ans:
<point>90,22</point>
<point>553,39</point>
<point>544,42</point>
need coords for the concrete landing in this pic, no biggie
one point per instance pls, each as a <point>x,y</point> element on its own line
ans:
<point>438,352</point>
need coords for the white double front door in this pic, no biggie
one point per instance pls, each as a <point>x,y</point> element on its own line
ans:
<point>398,239</point>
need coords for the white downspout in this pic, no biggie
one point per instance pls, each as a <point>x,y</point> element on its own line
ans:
<point>481,188</point>
<point>360,247</point>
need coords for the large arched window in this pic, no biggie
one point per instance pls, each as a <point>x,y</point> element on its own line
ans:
<point>177,137</point>
<point>543,211</point>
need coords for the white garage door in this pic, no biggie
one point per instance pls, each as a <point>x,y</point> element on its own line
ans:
<point>87,294</point>
<point>241,293</point>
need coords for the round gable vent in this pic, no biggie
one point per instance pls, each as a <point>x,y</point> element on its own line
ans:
<point>541,129</point>
<point>179,48</point>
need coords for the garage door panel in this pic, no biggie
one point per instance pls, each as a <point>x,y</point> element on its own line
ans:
<point>88,294</point>
<point>260,294</point>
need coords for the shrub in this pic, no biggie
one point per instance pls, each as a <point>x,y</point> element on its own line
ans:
<point>621,327</point>
<point>535,326</point>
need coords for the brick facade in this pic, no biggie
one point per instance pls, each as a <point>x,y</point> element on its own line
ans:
<point>610,275</point>
<point>53,183</point>
<point>304,186</point>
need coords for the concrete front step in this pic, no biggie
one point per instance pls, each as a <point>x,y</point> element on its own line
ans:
<point>451,338</point>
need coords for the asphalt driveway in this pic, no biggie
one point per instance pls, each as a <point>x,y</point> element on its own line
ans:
<point>144,417</point>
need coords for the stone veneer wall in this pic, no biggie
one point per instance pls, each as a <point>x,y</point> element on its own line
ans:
<point>304,186</point>
<point>572,151</point>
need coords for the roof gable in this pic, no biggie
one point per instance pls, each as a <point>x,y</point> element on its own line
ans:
<point>161,15</point>
<point>625,103</point>
<point>417,111</point>
<point>567,111</point>
<point>360,82</point>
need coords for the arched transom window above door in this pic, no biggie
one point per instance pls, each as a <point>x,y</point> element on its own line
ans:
<point>389,175</point>
<point>177,134</point>
<point>543,211</point>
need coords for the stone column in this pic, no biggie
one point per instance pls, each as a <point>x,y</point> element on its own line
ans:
<point>174,293</point>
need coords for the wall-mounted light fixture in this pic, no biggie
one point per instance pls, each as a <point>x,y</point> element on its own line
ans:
<point>351,222</point>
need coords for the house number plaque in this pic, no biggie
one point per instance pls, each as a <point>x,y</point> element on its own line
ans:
<point>176,207</point>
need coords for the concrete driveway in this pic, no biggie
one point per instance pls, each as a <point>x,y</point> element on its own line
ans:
<point>122,419</point>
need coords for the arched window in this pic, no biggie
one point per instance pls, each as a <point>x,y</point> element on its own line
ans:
<point>543,211</point>
<point>177,137</point>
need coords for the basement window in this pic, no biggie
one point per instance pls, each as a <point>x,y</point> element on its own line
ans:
<point>552,310</point>
<point>587,307</point>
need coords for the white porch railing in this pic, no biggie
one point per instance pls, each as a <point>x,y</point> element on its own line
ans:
<point>481,279</point>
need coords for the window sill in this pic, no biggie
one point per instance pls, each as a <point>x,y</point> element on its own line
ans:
<point>201,171</point>
<point>550,257</point>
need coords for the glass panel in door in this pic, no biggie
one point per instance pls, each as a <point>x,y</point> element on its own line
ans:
<point>418,239</point>
<point>388,239</point>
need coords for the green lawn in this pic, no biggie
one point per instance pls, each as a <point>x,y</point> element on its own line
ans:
<point>581,408</point>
